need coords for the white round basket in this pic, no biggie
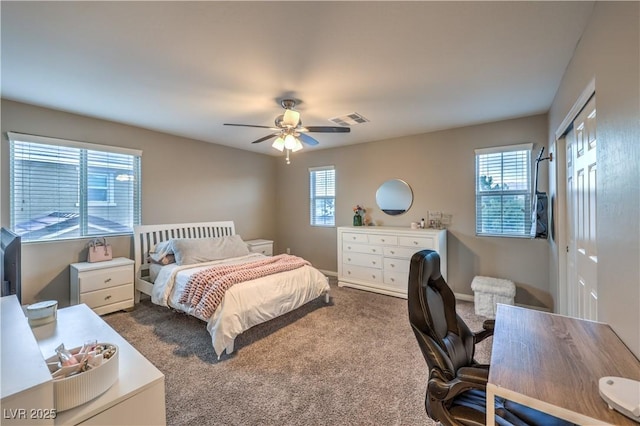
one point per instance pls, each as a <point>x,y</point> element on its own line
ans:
<point>75,390</point>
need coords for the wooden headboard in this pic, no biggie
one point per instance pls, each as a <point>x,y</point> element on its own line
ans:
<point>145,237</point>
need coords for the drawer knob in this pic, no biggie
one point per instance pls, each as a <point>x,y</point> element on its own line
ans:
<point>349,259</point>
<point>373,276</point>
<point>349,247</point>
<point>349,272</point>
<point>393,252</point>
<point>415,242</point>
<point>393,280</point>
<point>354,238</point>
<point>373,262</point>
<point>382,239</point>
<point>373,250</point>
<point>107,280</point>
<point>107,297</point>
<point>393,266</point>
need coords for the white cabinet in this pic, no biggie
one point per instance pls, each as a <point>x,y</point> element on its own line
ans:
<point>261,246</point>
<point>104,286</point>
<point>26,385</point>
<point>136,398</point>
<point>378,258</point>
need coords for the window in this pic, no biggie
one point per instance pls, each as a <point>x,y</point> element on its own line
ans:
<point>322,195</point>
<point>503,191</point>
<point>63,189</point>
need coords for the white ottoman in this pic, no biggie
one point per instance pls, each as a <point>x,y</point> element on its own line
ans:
<point>488,292</point>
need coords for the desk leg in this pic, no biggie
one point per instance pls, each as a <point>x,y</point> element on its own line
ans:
<point>491,406</point>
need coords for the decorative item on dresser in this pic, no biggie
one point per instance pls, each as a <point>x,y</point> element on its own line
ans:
<point>377,258</point>
<point>104,286</point>
<point>261,246</point>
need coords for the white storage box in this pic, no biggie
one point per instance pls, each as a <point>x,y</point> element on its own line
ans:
<point>75,390</point>
<point>488,292</point>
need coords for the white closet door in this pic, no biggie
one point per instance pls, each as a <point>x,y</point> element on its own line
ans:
<point>582,264</point>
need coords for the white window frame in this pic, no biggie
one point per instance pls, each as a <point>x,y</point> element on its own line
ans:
<point>83,204</point>
<point>502,193</point>
<point>314,189</point>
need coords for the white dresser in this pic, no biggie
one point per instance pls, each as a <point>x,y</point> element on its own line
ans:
<point>136,398</point>
<point>377,258</point>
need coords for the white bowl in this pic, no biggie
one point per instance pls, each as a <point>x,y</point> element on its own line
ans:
<point>83,387</point>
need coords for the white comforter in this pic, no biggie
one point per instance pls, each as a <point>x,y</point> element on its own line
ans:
<point>245,304</point>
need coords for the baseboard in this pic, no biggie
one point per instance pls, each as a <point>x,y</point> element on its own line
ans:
<point>465,297</point>
<point>471,298</point>
<point>329,273</point>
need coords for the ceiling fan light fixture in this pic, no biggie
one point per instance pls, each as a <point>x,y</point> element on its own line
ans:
<point>290,141</point>
<point>290,118</point>
<point>278,144</point>
<point>298,146</point>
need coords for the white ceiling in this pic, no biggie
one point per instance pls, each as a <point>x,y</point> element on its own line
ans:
<point>185,68</point>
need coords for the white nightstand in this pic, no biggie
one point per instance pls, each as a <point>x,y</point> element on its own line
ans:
<point>104,286</point>
<point>261,246</point>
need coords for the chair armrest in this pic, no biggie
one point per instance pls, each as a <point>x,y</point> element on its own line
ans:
<point>487,331</point>
<point>466,378</point>
<point>478,374</point>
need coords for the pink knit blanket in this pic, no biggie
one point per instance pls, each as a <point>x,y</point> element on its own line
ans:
<point>205,289</point>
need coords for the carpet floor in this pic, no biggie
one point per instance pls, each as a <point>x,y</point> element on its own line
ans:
<point>352,361</point>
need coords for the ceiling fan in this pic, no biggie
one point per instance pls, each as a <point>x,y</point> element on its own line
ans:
<point>289,131</point>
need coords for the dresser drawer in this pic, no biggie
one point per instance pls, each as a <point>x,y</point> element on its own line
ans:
<point>396,265</point>
<point>401,252</point>
<point>399,280</point>
<point>354,238</point>
<point>362,259</point>
<point>417,242</point>
<point>384,240</point>
<point>353,272</point>
<point>105,278</point>
<point>361,248</point>
<point>95,299</point>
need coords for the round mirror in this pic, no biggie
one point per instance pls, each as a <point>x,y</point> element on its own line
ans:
<point>394,197</point>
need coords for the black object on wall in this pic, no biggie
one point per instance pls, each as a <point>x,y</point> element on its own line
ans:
<point>539,211</point>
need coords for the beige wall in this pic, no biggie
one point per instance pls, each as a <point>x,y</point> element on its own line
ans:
<point>609,52</point>
<point>440,169</point>
<point>182,181</point>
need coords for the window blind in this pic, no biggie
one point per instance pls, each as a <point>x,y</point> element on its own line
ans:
<point>322,195</point>
<point>503,191</point>
<point>65,189</point>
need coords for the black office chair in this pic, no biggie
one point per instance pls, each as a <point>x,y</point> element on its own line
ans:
<point>457,383</point>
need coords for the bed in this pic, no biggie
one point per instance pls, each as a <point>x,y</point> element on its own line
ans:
<point>211,245</point>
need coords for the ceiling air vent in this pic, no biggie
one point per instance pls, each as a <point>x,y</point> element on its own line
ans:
<point>349,119</point>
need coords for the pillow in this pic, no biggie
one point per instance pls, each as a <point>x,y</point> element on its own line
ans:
<point>188,251</point>
<point>161,252</point>
<point>170,258</point>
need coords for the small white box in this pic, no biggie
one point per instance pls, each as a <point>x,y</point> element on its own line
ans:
<point>488,292</point>
<point>42,312</point>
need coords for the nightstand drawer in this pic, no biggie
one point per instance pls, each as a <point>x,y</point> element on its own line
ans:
<point>95,299</point>
<point>105,278</point>
<point>260,246</point>
<point>266,249</point>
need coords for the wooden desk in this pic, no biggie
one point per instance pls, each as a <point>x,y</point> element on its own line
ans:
<point>553,363</point>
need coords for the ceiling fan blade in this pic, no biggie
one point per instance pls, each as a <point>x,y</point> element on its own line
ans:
<point>266,138</point>
<point>328,129</point>
<point>249,125</point>
<point>307,139</point>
